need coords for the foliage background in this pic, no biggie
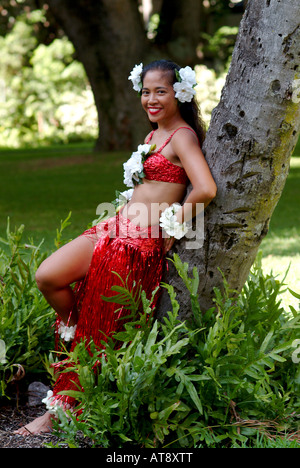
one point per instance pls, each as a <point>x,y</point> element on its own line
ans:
<point>45,95</point>
<point>44,92</point>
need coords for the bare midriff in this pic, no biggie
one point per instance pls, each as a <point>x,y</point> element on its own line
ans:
<point>150,199</point>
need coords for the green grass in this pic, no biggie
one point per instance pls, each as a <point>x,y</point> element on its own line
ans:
<point>262,442</point>
<point>281,247</point>
<point>39,187</point>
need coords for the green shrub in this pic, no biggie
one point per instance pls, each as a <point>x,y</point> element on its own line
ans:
<point>26,320</point>
<point>44,93</point>
<point>210,381</point>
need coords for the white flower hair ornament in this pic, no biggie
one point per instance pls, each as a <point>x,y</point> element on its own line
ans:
<point>136,77</point>
<point>184,87</point>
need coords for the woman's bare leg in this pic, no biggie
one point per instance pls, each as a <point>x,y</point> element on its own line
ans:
<point>65,266</point>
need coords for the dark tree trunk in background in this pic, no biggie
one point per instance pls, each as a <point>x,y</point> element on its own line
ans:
<point>179,31</point>
<point>109,39</point>
<point>248,148</point>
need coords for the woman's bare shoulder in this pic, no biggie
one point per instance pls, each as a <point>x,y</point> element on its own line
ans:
<point>185,136</point>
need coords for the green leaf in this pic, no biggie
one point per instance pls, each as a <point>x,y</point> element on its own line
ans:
<point>266,341</point>
<point>3,359</point>
<point>194,396</point>
<point>293,293</point>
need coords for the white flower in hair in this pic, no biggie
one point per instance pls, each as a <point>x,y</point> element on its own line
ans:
<point>188,75</point>
<point>184,88</point>
<point>136,77</point>
<point>184,92</point>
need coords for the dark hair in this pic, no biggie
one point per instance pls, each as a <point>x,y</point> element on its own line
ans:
<point>189,111</point>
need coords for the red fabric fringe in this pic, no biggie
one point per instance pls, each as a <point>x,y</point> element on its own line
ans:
<point>137,255</point>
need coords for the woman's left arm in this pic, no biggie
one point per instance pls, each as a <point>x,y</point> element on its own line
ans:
<point>204,189</point>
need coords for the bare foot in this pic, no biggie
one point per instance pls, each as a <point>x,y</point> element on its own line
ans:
<point>40,425</point>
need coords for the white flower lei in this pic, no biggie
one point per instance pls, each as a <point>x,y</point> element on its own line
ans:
<point>134,167</point>
<point>169,223</point>
<point>184,87</point>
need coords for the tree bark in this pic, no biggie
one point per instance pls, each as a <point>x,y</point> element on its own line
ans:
<point>179,31</point>
<point>109,39</point>
<point>248,147</point>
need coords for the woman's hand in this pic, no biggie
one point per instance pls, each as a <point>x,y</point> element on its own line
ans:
<point>168,243</point>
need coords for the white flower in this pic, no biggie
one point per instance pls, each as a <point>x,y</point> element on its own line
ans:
<point>184,87</point>
<point>188,75</point>
<point>66,333</point>
<point>144,149</point>
<point>133,168</point>
<point>52,403</point>
<point>136,77</point>
<point>122,199</point>
<point>125,196</point>
<point>180,230</point>
<point>169,223</point>
<point>184,92</point>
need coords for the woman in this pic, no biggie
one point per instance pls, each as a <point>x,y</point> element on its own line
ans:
<point>134,242</point>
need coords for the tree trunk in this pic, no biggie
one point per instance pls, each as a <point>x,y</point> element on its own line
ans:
<point>109,39</point>
<point>248,148</point>
<point>179,31</point>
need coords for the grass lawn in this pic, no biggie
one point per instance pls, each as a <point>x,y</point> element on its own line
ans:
<point>39,187</point>
<point>281,247</point>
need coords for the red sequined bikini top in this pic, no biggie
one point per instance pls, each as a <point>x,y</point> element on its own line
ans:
<point>159,168</point>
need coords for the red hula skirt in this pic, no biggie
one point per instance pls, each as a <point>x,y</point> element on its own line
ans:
<point>137,255</point>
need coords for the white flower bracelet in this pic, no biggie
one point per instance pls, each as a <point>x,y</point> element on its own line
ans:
<point>169,223</point>
<point>66,333</point>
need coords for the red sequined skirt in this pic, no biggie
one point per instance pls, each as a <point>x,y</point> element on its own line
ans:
<point>123,253</point>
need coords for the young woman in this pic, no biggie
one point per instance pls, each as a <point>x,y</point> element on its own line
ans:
<point>134,242</point>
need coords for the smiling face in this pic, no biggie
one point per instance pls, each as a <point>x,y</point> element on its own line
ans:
<point>158,97</point>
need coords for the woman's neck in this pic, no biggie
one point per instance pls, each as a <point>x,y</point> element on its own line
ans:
<point>170,125</point>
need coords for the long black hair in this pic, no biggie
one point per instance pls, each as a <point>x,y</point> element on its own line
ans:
<point>189,111</point>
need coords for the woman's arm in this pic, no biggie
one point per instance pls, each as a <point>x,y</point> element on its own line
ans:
<point>185,145</point>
